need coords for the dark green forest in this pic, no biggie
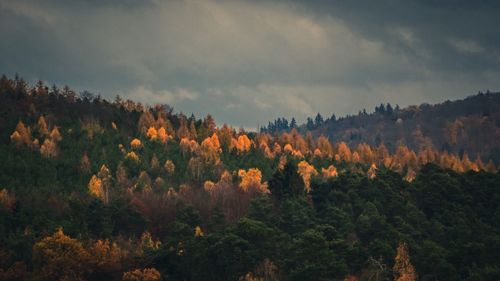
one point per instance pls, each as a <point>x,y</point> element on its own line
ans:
<point>92,189</point>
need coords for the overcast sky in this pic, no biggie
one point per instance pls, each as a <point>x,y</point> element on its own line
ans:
<point>247,62</point>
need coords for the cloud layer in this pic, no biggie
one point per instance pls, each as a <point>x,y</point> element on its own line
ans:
<point>247,62</point>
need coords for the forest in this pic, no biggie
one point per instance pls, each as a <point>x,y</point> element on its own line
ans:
<point>93,189</point>
<point>468,125</point>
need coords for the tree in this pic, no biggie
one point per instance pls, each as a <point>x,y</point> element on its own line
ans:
<point>152,133</point>
<point>42,126</point>
<point>21,135</point>
<point>251,180</point>
<point>49,148</point>
<point>372,171</point>
<point>318,120</point>
<point>60,257</point>
<point>306,171</point>
<point>106,256</point>
<point>105,176</point>
<point>403,269</point>
<point>209,124</point>
<point>55,135</point>
<point>162,135</point>
<point>169,167</point>
<point>136,143</point>
<point>147,274</point>
<point>146,121</point>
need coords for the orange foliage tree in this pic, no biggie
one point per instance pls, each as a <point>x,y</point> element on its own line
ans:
<point>252,179</point>
<point>403,269</point>
<point>306,171</point>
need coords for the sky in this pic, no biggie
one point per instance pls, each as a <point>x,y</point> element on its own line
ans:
<point>248,62</point>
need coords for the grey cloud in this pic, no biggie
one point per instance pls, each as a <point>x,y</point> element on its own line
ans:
<point>247,62</point>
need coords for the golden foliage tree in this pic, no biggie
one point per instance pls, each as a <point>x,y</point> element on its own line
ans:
<point>198,232</point>
<point>372,171</point>
<point>163,135</point>
<point>306,171</point>
<point>136,143</point>
<point>210,150</point>
<point>55,135</point>
<point>329,172</point>
<point>324,146</point>
<point>95,187</point>
<point>42,126</point>
<point>21,135</point>
<point>242,144</point>
<point>403,269</point>
<point>132,156</point>
<point>148,274</point>
<point>16,138</point>
<point>252,180</point>
<point>49,148</point>
<point>152,133</point>
<point>60,257</point>
<point>344,152</point>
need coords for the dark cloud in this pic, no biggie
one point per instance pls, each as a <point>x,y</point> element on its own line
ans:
<point>250,61</point>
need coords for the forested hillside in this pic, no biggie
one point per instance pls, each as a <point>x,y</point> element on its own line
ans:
<point>470,125</point>
<point>92,189</point>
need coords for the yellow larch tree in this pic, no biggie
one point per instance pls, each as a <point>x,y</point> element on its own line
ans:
<point>288,148</point>
<point>95,187</point>
<point>49,148</point>
<point>136,143</point>
<point>344,152</point>
<point>324,146</point>
<point>198,232</point>
<point>163,135</point>
<point>42,126</point>
<point>152,133</point>
<point>132,156</point>
<point>372,171</point>
<point>306,171</point>
<point>329,172</point>
<point>403,269</point>
<point>251,180</point>
<point>16,138</point>
<point>55,135</point>
<point>210,150</point>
